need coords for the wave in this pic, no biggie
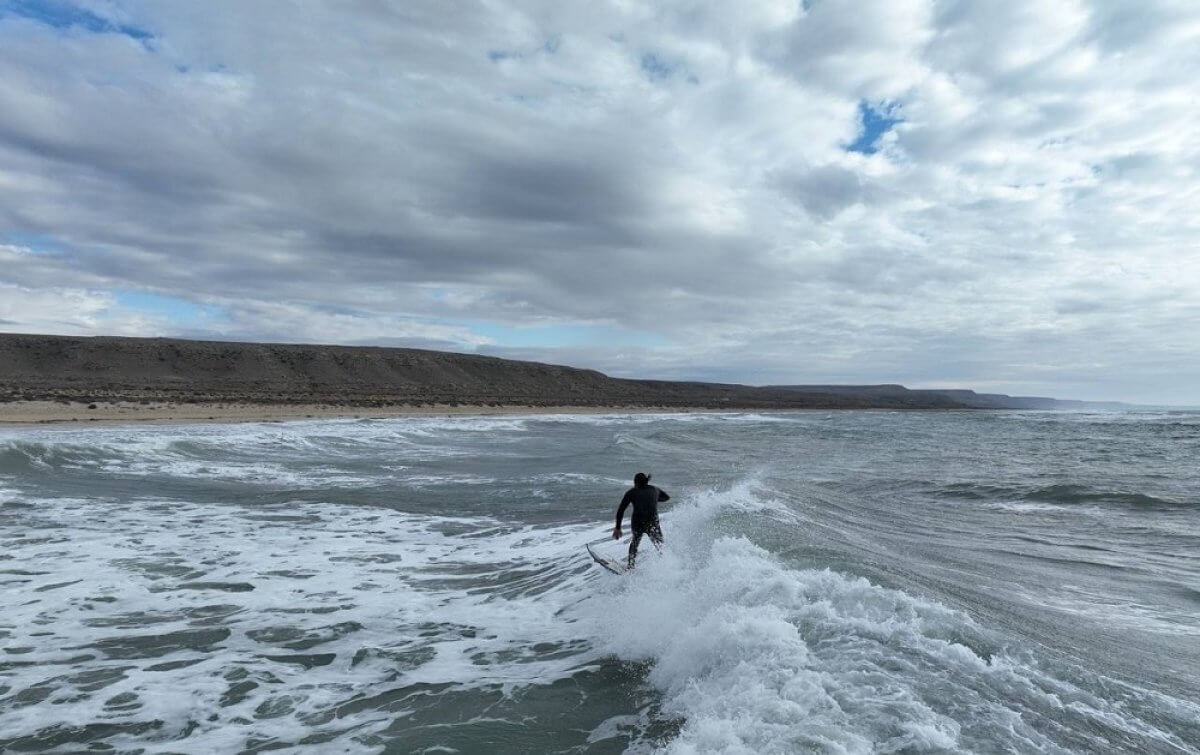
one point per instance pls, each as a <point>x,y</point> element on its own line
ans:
<point>1061,495</point>
<point>1082,494</point>
<point>686,417</point>
<point>754,655</point>
<point>336,453</point>
<point>21,456</point>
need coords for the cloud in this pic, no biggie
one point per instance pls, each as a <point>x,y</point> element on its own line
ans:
<point>403,173</point>
<point>68,311</point>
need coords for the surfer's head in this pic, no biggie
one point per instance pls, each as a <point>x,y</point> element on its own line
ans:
<point>641,479</point>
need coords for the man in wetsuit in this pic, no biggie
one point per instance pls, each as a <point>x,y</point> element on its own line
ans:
<point>645,498</point>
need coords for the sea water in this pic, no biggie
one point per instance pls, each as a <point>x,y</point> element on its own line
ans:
<point>845,582</point>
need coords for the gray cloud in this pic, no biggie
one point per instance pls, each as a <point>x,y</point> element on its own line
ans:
<point>824,191</point>
<point>402,173</point>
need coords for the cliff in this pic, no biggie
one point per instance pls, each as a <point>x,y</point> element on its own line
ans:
<point>62,368</point>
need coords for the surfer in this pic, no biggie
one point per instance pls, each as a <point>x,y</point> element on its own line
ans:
<point>644,521</point>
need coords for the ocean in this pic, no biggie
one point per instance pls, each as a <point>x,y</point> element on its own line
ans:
<point>831,582</point>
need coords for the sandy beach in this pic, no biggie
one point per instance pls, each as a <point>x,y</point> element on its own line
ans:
<point>25,413</point>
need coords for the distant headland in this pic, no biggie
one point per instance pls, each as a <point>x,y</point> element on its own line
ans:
<point>140,372</point>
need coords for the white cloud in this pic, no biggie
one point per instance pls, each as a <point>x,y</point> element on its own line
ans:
<point>68,311</point>
<point>676,169</point>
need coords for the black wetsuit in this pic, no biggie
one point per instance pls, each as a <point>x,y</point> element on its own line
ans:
<point>645,502</point>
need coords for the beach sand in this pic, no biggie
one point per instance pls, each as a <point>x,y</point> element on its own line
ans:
<point>74,413</point>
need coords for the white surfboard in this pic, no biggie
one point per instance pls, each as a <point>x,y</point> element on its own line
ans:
<point>608,562</point>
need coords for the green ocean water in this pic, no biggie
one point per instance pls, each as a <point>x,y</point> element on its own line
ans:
<point>831,582</point>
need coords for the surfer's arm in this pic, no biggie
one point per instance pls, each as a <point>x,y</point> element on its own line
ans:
<point>625,501</point>
<point>662,495</point>
<point>621,509</point>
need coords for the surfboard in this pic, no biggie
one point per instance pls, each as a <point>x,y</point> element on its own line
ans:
<point>613,565</point>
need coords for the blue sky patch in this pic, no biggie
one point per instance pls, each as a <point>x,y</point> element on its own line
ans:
<point>64,15</point>
<point>177,311</point>
<point>875,121</point>
<point>38,243</point>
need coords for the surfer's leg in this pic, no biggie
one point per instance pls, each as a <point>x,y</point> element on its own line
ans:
<point>655,533</point>
<point>633,544</point>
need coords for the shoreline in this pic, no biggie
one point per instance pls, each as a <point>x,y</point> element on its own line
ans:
<point>40,413</point>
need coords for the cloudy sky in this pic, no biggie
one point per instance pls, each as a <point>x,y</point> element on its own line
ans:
<point>997,195</point>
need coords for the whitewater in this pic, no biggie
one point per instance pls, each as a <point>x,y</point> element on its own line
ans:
<point>831,582</point>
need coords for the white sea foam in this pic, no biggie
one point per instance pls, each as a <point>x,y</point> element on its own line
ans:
<point>633,419</point>
<point>579,477</point>
<point>439,426</point>
<point>1038,507</point>
<point>293,455</point>
<point>377,595</point>
<point>757,657</point>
